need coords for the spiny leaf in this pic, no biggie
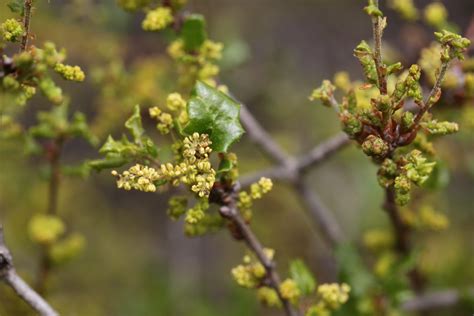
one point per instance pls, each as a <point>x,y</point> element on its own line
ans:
<point>216,114</point>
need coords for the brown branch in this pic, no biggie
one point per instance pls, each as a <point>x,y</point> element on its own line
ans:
<point>54,156</point>
<point>21,288</point>
<point>377,30</point>
<point>259,136</point>
<point>292,170</point>
<point>402,238</point>
<point>28,4</point>
<point>310,160</point>
<point>436,90</point>
<point>437,299</point>
<point>321,215</point>
<point>230,211</point>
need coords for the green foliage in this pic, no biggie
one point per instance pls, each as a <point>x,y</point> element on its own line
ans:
<point>193,32</point>
<point>55,125</point>
<point>16,6</point>
<point>119,152</point>
<point>216,114</point>
<point>303,277</point>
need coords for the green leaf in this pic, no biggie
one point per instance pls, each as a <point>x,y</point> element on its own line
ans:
<point>303,277</point>
<point>134,124</point>
<point>82,170</point>
<point>107,163</point>
<point>353,270</point>
<point>79,128</point>
<point>216,114</point>
<point>193,32</point>
<point>439,177</point>
<point>16,6</point>
<point>224,166</point>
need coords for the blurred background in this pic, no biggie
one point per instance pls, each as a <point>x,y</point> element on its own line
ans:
<point>136,260</point>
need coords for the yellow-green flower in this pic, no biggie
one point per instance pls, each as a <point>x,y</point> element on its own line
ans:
<point>157,19</point>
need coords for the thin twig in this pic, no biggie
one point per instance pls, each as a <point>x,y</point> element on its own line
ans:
<point>26,24</point>
<point>292,170</point>
<point>21,288</point>
<point>230,212</point>
<point>427,103</point>
<point>258,135</point>
<point>322,152</point>
<point>321,215</point>
<point>314,157</point>
<point>54,156</point>
<point>402,242</point>
<point>377,30</point>
<point>437,299</point>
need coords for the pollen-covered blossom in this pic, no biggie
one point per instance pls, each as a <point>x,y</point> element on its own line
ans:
<point>138,177</point>
<point>334,294</point>
<point>157,19</point>
<point>165,120</point>
<point>72,73</point>
<point>251,273</point>
<point>290,291</point>
<point>11,30</point>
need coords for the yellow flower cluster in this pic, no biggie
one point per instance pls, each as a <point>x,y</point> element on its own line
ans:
<point>194,215</point>
<point>175,102</point>
<point>196,147</point>
<point>268,297</point>
<point>177,105</point>
<point>208,223</point>
<point>177,206</point>
<point>200,65</point>
<point>133,5</point>
<point>138,177</point>
<point>157,19</point>
<point>427,218</point>
<point>377,239</point>
<point>11,30</point>
<point>67,249</point>
<point>263,186</point>
<point>406,8</point>
<point>195,170</point>
<point>251,272</point>
<point>430,61</point>
<point>436,15</point>
<point>45,229</point>
<point>333,295</point>
<point>165,120</point>
<point>290,291</point>
<point>72,73</point>
<point>385,263</point>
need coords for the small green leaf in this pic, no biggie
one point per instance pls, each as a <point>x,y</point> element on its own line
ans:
<point>79,128</point>
<point>193,32</point>
<point>16,6</point>
<point>224,166</point>
<point>353,271</point>
<point>107,163</point>
<point>216,114</point>
<point>439,177</point>
<point>134,124</point>
<point>303,277</point>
